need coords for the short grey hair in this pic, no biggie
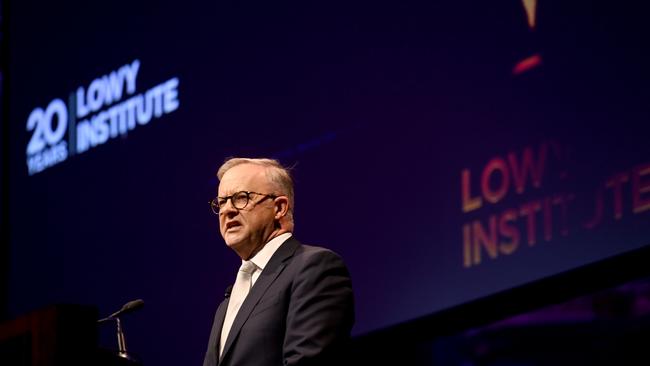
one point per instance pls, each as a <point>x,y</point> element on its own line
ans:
<point>275,172</point>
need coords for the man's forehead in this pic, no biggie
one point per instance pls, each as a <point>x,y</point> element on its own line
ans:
<point>244,177</point>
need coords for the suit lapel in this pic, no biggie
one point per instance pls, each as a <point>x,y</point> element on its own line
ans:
<point>269,274</point>
<point>212,355</point>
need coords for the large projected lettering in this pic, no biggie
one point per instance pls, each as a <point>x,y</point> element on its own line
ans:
<point>101,112</point>
<point>106,90</point>
<point>540,215</point>
<point>46,148</point>
<point>120,118</point>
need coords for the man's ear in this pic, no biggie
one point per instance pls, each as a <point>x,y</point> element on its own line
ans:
<point>281,207</point>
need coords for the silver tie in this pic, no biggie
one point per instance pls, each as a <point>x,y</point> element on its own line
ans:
<point>239,291</point>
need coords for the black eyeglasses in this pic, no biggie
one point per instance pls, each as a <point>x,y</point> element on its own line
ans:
<point>239,200</point>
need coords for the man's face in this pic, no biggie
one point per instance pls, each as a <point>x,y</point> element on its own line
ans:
<point>246,230</point>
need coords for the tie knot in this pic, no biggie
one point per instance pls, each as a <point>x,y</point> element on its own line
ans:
<point>248,267</point>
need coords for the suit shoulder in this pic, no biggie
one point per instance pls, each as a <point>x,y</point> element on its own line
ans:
<point>309,251</point>
<point>311,257</point>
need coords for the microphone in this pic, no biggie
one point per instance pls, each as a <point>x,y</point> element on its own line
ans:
<point>127,308</point>
<point>121,342</point>
<point>228,291</point>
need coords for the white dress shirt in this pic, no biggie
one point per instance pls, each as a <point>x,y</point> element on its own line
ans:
<point>261,259</point>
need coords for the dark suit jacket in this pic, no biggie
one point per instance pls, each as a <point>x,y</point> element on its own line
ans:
<point>299,312</point>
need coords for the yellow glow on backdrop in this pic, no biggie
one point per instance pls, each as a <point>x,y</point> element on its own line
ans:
<point>531,8</point>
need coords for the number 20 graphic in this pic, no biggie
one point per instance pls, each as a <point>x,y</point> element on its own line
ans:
<point>40,121</point>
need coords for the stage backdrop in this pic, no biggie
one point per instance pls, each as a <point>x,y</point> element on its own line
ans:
<point>447,150</point>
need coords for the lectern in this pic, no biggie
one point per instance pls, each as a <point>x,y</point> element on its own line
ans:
<point>59,335</point>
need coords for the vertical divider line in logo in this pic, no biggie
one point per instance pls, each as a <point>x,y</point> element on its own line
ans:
<point>72,128</point>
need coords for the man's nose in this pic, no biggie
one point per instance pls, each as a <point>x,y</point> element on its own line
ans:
<point>228,209</point>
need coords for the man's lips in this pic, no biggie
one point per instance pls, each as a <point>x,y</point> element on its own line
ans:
<point>232,224</point>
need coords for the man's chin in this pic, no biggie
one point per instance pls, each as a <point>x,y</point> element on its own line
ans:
<point>233,241</point>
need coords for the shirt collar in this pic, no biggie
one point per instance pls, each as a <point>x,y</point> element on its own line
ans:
<point>264,255</point>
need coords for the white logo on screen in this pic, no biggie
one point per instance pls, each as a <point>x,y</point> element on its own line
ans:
<point>46,147</point>
<point>103,113</point>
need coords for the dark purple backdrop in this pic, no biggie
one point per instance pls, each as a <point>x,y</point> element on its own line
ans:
<point>379,106</point>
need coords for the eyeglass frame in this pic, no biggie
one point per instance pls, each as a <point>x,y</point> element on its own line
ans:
<point>215,201</point>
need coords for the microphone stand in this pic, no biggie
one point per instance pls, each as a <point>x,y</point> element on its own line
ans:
<point>121,342</point>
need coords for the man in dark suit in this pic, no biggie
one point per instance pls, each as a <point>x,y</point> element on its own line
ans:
<point>291,304</point>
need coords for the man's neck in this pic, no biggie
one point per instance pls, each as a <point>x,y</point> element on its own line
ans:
<point>275,233</point>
